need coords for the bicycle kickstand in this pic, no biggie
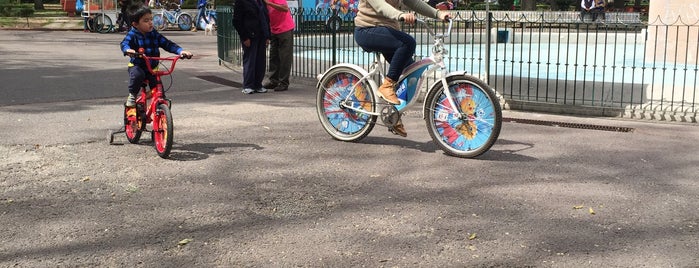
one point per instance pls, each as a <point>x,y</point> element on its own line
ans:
<point>114,132</point>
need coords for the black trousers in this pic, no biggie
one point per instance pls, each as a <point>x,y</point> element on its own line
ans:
<point>281,56</point>
<point>254,63</point>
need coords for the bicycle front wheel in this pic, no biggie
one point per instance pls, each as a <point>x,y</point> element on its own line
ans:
<point>339,91</point>
<point>472,127</point>
<point>163,130</point>
<point>159,22</point>
<point>184,21</point>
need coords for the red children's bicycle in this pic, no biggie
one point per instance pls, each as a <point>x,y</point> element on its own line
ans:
<point>152,107</point>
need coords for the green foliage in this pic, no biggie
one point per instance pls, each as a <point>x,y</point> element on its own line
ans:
<point>189,4</point>
<point>16,10</point>
<point>561,4</point>
<point>482,6</point>
<point>506,4</point>
<point>226,2</point>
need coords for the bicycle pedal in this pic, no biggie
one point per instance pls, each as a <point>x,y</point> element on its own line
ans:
<point>131,112</point>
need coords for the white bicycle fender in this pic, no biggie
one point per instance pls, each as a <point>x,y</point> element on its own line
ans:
<point>436,83</point>
<point>341,65</point>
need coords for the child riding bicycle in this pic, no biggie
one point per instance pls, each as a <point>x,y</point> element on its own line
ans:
<point>143,35</point>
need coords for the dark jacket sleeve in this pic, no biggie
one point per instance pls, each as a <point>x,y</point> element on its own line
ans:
<point>243,12</point>
<point>168,45</point>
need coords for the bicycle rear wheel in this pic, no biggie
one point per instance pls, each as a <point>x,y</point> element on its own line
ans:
<point>184,21</point>
<point>337,119</point>
<point>163,130</point>
<point>134,124</point>
<point>159,22</point>
<point>104,23</point>
<point>474,127</point>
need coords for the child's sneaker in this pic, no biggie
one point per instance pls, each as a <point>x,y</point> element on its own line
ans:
<point>248,90</point>
<point>130,101</point>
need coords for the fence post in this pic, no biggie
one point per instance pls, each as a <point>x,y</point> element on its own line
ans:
<point>488,29</point>
<point>335,17</point>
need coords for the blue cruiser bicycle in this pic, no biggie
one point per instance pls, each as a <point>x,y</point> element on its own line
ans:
<point>462,113</point>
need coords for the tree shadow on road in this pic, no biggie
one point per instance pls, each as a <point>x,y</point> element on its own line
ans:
<point>201,151</point>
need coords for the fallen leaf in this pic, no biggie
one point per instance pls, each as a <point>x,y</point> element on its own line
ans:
<point>184,242</point>
<point>472,236</point>
<point>578,207</point>
<point>592,211</point>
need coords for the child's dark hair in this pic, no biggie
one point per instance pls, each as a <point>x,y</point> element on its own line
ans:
<point>136,11</point>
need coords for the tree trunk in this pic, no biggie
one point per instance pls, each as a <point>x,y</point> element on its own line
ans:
<point>529,5</point>
<point>38,5</point>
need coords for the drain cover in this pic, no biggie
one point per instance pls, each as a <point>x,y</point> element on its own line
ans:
<point>567,124</point>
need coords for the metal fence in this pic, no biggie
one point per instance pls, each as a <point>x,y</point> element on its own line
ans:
<point>539,61</point>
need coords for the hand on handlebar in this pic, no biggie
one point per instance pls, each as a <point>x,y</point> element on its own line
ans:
<point>131,53</point>
<point>408,18</point>
<point>186,54</point>
<point>444,16</point>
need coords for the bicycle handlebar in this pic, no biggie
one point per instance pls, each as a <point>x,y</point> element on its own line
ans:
<point>432,32</point>
<point>147,59</point>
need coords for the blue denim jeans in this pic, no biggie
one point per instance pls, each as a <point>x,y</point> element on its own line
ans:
<point>396,46</point>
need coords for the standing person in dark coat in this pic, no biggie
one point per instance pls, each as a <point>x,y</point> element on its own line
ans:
<point>251,21</point>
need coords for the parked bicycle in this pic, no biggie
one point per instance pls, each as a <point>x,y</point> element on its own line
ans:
<point>462,113</point>
<point>99,22</point>
<point>164,18</point>
<point>151,107</point>
<point>210,15</point>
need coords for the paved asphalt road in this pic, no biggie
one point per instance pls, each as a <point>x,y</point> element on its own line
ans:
<point>255,181</point>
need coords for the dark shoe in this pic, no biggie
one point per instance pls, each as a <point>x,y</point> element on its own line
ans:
<point>399,129</point>
<point>270,85</point>
<point>281,88</point>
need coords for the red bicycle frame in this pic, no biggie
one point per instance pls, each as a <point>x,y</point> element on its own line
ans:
<point>155,95</point>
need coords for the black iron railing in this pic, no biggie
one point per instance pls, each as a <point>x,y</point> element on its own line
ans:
<point>548,61</point>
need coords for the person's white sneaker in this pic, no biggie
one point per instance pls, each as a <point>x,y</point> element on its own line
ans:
<point>130,101</point>
<point>248,90</point>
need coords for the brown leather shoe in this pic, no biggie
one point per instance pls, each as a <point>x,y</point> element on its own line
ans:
<point>387,91</point>
<point>399,129</point>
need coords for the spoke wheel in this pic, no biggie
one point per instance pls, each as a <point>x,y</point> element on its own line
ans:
<point>184,21</point>
<point>159,22</point>
<point>338,90</point>
<point>134,123</point>
<point>163,130</point>
<point>475,125</point>
<point>104,23</point>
